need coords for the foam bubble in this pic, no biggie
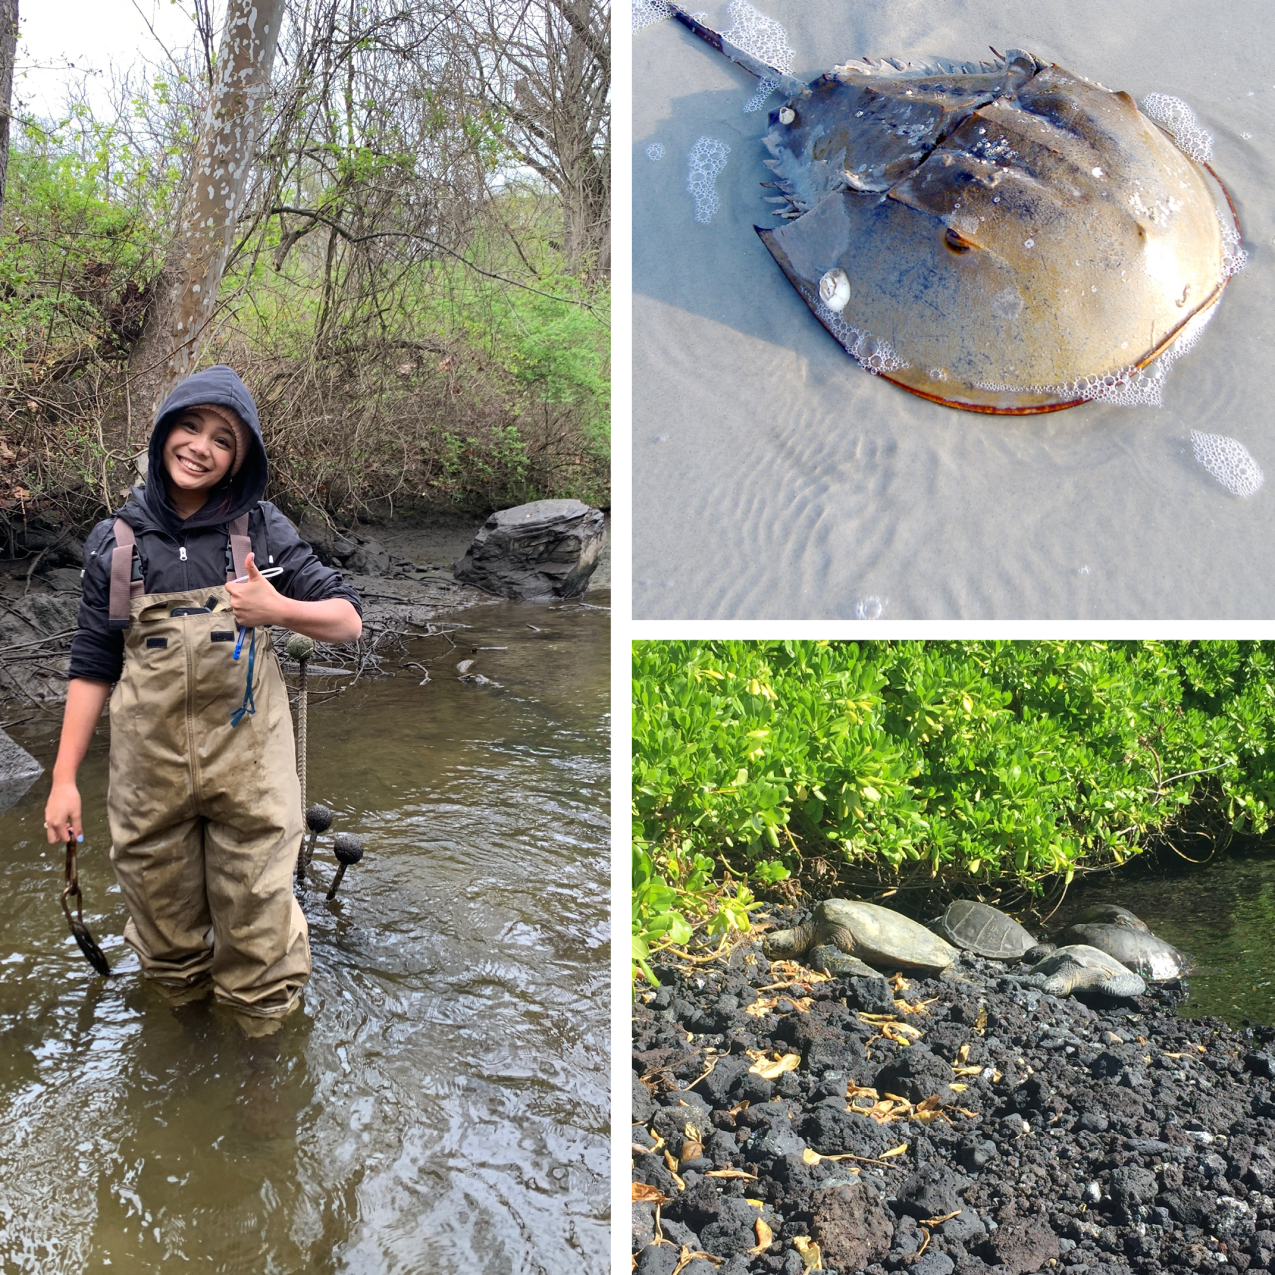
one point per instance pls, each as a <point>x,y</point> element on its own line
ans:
<point>1179,121</point>
<point>655,151</point>
<point>872,352</point>
<point>1144,387</point>
<point>765,88</point>
<point>707,159</point>
<point>1234,258</point>
<point>766,40</point>
<point>759,35</point>
<point>646,13</point>
<point>1229,461</point>
<point>870,608</point>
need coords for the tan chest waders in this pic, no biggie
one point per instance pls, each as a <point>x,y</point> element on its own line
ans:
<point>205,815</point>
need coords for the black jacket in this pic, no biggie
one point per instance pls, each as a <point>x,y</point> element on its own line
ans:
<point>178,555</point>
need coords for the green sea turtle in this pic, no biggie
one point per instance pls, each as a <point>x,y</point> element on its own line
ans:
<point>1114,913</point>
<point>995,236</point>
<point>984,930</point>
<point>1079,967</point>
<point>865,932</point>
<point>1119,933</point>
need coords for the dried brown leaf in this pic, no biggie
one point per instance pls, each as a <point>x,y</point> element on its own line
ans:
<point>765,1236</point>
<point>771,1069</point>
<point>811,1257</point>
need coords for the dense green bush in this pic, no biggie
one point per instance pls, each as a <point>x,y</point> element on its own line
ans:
<point>677,893</point>
<point>974,762</point>
<point>476,383</point>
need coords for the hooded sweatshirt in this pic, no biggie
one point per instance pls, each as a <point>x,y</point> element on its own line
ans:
<point>176,554</point>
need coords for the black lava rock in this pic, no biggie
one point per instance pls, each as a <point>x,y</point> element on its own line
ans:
<point>1022,1247</point>
<point>643,1103</point>
<point>871,995</point>
<point>1132,1186</point>
<point>931,1191</point>
<point>1068,1148</point>
<point>851,1227</point>
<point>917,1074</point>
<point>718,1084</point>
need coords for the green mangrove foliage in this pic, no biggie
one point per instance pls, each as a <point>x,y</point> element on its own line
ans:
<point>667,900</point>
<point>974,762</point>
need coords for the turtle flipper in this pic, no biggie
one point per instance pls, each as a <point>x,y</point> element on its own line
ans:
<point>1125,986</point>
<point>1059,983</point>
<point>839,964</point>
<point>838,936</point>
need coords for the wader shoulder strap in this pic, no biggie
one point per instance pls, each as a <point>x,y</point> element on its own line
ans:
<point>240,548</point>
<point>123,586</point>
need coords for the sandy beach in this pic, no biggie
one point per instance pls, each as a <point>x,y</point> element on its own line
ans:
<point>775,478</point>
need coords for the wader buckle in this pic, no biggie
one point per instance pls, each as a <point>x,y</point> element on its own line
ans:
<point>79,931</point>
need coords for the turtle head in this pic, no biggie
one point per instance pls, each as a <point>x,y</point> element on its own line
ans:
<point>784,943</point>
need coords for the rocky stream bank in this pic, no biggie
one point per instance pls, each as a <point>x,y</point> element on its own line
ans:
<point>402,571</point>
<point>784,1121</point>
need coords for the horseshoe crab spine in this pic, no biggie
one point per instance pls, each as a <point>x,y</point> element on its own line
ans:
<point>786,85</point>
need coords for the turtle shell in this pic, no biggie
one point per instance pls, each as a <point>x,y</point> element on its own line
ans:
<point>1079,966</point>
<point>880,936</point>
<point>1113,914</point>
<point>1138,950</point>
<point>984,930</point>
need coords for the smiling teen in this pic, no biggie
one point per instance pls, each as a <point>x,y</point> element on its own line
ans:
<point>204,803</point>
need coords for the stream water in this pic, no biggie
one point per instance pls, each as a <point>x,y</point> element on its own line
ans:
<point>1222,914</point>
<point>441,1101</point>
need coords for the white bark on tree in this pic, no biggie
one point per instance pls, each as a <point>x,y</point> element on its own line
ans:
<point>8,50</point>
<point>179,321</point>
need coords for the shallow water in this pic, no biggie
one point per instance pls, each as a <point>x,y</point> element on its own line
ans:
<point>1222,914</point>
<point>441,1102</point>
<point>774,478</point>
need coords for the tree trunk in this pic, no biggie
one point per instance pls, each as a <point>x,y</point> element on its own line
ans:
<point>179,321</point>
<point>8,48</point>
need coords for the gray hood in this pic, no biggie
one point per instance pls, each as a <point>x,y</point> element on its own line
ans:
<point>233,495</point>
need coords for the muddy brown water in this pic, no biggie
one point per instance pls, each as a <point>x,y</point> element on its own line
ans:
<point>441,1102</point>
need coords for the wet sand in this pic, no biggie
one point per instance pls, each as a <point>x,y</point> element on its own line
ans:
<point>774,478</point>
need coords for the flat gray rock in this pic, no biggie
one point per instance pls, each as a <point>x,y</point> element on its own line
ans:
<point>18,771</point>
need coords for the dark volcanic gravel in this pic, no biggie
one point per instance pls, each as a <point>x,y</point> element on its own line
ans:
<point>1098,1137</point>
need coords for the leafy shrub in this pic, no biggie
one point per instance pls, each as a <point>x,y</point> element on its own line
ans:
<point>669,885</point>
<point>450,385</point>
<point>979,762</point>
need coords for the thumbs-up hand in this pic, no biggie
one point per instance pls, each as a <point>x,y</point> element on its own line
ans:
<point>255,600</point>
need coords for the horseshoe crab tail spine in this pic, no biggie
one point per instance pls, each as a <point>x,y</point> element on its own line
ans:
<point>786,85</point>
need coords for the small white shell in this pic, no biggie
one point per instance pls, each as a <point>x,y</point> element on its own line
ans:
<point>787,115</point>
<point>834,289</point>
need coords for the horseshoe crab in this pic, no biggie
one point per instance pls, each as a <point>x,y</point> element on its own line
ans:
<point>995,236</point>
